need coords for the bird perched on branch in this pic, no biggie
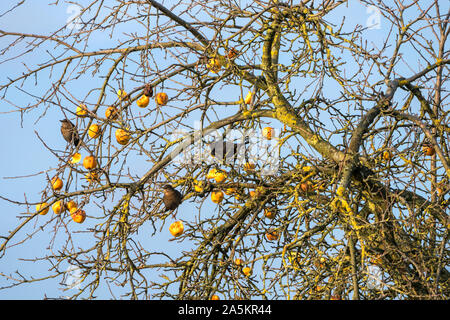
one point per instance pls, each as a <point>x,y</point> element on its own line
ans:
<point>172,197</point>
<point>224,150</point>
<point>69,132</point>
<point>148,90</point>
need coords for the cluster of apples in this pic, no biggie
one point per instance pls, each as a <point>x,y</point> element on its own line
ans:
<point>77,214</point>
<point>216,63</point>
<point>122,136</point>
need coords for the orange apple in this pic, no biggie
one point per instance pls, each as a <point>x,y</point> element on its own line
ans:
<point>214,65</point>
<point>247,271</point>
<point>42,208</point>
<point>270,213</point>
<point>176,228</point>
<point>272,235</point>
<point>92,176</point>
<point>143,101</point>
<point>268,132</point>
<point>232,54</point>
<point>122,136</point>
<point>306,186</point>
<point>428,150</point>
<point>78,215</point>
<point>111,113</point>
<point>94,131</point>
<point>220,176</point>
<point>217,196</point>
<point>58,207</point>
<point>248,98</point>
<point>161,99</point>
<point>57,183</point>
<point>230,191</point>
<point>82,111</point>
<point>71,205</point>
<point>248,166</point>
<point>90,162</point>
<point>122,94</point>
<point>199,186</point>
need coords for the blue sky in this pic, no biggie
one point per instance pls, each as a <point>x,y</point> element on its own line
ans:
<point>24,154</point>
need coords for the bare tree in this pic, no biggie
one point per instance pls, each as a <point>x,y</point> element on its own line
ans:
<point>339,192</point>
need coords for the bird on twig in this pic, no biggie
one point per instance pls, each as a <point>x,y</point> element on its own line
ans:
<point>225,151</point>
<point>172,198</point>
<point>69,132</point>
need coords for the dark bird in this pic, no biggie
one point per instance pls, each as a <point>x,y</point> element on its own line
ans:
<point>69,132</point>
<point>148,90</point>
<point>227,151</point>
<point>172,197</point>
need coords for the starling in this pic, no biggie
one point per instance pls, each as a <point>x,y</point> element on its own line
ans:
<point>69,132</point>
<point>172,198</point>
<point>148,90</point>
<point>224,150</point>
